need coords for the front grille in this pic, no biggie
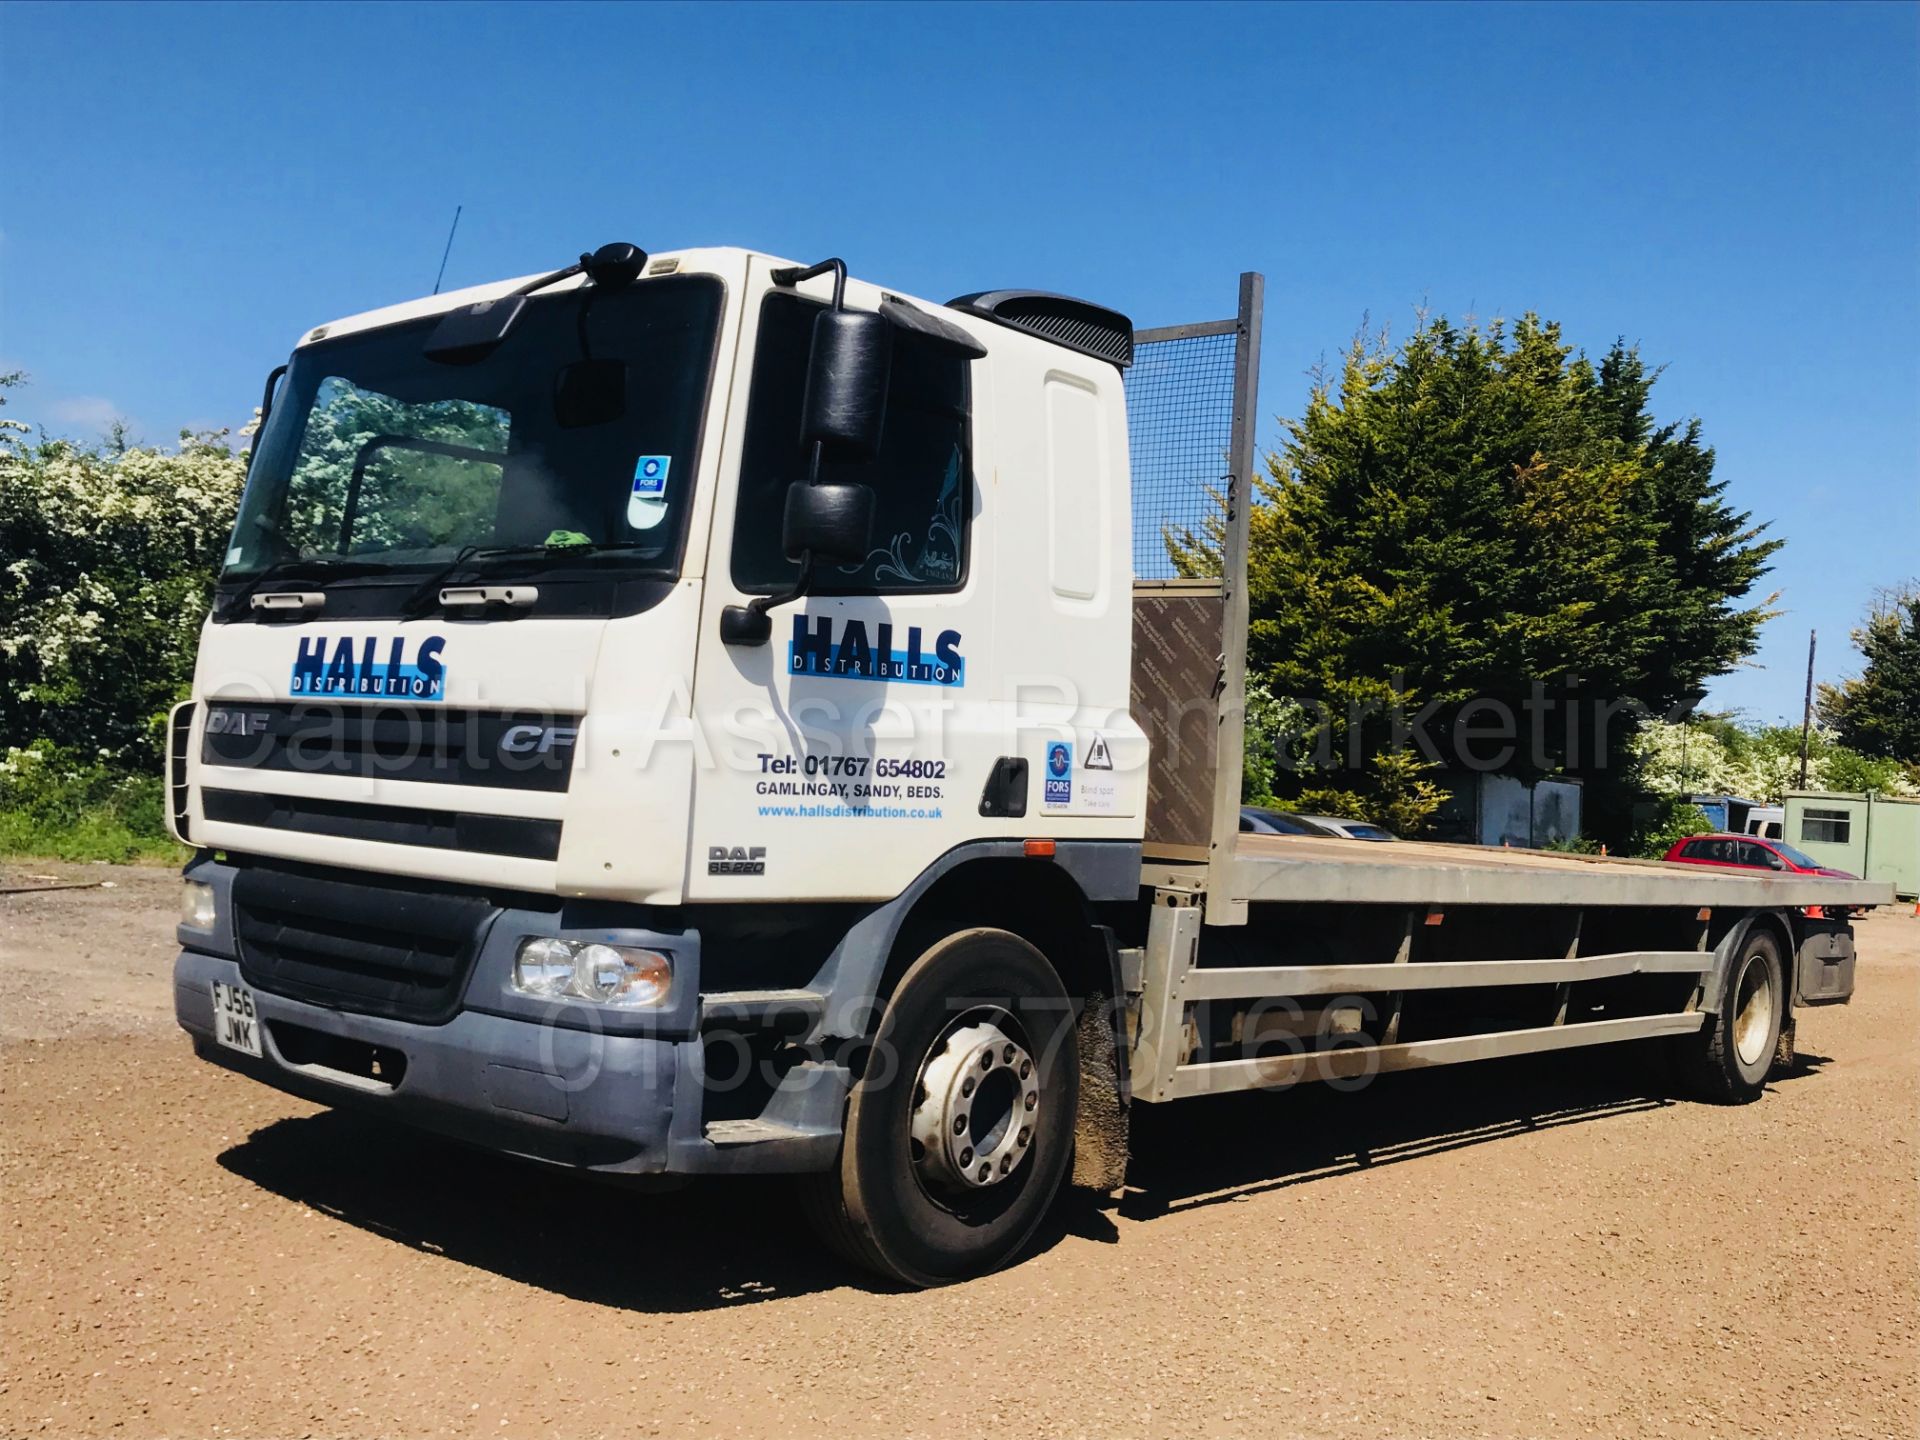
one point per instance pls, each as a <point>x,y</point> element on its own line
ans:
<point>510,835</point>
<point>179,732</point>
<point>378,945</point>
<point>502,749</point>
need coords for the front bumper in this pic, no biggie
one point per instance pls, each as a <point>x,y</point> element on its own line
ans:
<point>566,1096</point>
<point>624,1093</point>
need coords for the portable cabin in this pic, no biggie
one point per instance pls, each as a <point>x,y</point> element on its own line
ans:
<point>1877,837</point>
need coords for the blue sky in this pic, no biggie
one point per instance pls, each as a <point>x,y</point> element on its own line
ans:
<point>187,189</point>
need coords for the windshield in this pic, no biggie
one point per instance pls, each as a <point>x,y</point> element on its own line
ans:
<point>581,428</point>
<point>1798,857</point>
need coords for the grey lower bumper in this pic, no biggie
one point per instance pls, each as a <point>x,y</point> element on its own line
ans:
<point>572,1097</point>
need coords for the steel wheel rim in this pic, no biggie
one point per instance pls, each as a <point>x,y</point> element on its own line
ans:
<point>1753,1011</point>
<point>976,1106</point>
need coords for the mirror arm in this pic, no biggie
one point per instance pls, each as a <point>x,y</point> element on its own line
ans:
<point>749,624</point>
<point>791,275</point>
<point>266,399</point>
<point>566,272</point>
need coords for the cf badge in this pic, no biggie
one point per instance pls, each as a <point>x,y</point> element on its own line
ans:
<point>538,739</point>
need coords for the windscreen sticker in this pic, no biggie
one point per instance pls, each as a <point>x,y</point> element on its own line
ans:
<point>356,668</point>
<point>645,508</point>
<point>650,474</point>
<point>643,512</point>
<point>1058,787</point>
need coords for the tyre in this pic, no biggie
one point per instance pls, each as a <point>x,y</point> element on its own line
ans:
<point>959,1132</point>
<point>1728,1059</point>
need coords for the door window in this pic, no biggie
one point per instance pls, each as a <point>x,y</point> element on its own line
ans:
<point>921,480</point>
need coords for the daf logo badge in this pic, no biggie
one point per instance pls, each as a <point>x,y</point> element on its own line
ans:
<point>736,860</point>
<point>238,722</point>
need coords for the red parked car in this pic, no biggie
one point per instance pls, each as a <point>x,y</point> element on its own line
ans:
<point>1749,852</point>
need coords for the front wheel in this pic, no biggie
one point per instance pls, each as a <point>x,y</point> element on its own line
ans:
<point>959,1130</point>
<point>1728,1058</point>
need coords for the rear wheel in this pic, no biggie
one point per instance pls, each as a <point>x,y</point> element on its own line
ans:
<point>959,1132</point>
<point>1728,1059</point>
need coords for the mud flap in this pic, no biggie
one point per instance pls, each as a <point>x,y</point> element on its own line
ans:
<point>1783,1048</point>
<point>1100,1129</point>
<point>1823,964</point>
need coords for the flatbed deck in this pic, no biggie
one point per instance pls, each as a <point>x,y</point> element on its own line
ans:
<point>1302,868</point>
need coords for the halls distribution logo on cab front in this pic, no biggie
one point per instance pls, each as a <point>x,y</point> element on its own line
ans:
<point>356,668</point>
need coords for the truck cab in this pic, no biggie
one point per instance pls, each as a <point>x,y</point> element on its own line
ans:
<point>527,554</point>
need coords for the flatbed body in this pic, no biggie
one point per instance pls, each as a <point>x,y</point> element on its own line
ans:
<point>1302,868</point>
<point>1368,955</point>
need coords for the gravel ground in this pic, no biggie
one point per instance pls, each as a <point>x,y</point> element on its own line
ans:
<point>1523,1248</point>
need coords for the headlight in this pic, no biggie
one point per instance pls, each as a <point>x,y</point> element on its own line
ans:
<point>543,967</point>
<point>196,905</point>
<point>622,975</point>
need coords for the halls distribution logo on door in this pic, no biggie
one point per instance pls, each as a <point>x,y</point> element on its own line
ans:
<point>853,654</point>
<point>1058,786</point>
<point>355,669</point>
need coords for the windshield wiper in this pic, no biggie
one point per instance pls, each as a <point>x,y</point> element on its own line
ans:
<point>471,555</point>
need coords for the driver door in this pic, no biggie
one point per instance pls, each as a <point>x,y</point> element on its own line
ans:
<point>847,752</point>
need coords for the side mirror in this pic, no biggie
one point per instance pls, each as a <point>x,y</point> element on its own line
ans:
<point>832,521</point>
<point>847,373</point>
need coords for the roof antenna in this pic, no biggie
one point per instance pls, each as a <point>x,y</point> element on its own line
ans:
<point>448,251</point>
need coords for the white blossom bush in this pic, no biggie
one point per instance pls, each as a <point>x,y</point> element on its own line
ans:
<point>1714,757</point>
<point>108,555</point>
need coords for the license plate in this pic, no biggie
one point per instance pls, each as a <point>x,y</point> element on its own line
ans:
<point>235,1022</point>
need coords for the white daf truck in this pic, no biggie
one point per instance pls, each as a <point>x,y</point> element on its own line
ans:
<point>697,714</point>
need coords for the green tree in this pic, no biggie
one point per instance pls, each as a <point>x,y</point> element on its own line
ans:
<point>1878,713</point>
<point>408,499</point>
<point>1482,514</point>
<point>109,555</point>
<point>1397,794</point>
